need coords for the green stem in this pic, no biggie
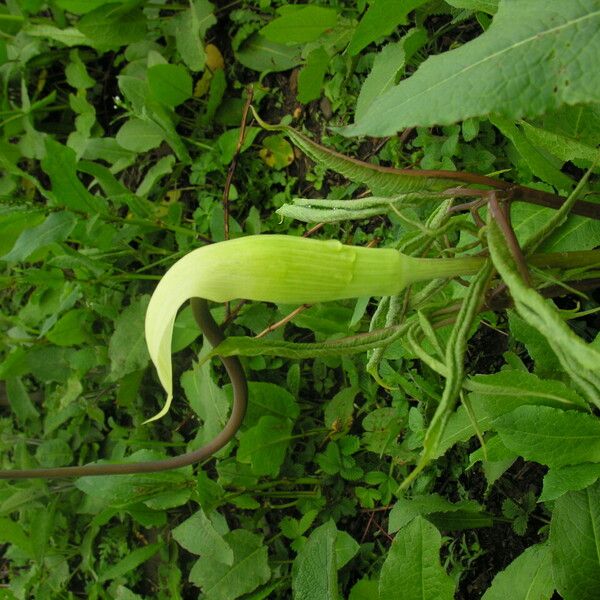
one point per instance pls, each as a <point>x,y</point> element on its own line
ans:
<point>423,269</point>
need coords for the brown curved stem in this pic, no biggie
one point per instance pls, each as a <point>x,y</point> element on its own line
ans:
<point>234,369</point>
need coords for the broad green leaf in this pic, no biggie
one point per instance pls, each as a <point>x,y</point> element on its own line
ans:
<point>406,509</point>
<point>250,568</point>
<point>198,536</point>
<point>276,152</point>
<point>365,589</point>
<point>314,573</point>
<point>386,67</point>
<point>60,165</point>
<point>300,26</point>
<point>139,136</point>
<point>577,233</point>
<point>528,577</point>
<point>381,19</point>
<point>12,532</point>
<point>339,410</point>
<point>56,228</point>
<point>383,181</point>
<point>126,490</point>
<point>113,25</point>
<point>346,548</point>
<point>553,43</point>
<point>131,561</point>
<point>76,72</point>
<point>127,347</point>
<point>170,84</point>
<point>265,444</point>
<point>13,221</point>
<point>575,544</point>
<point>500,393</point>
<point>269,399</point>
<point>571,478</point>
<point>70,329</point>
<point>413,565</point>
<point>207,400</point>
<point>550,436</point>
<point>189,28</point>
<point>260,54</point>
<point>311,76</point>
<point>54,453</point>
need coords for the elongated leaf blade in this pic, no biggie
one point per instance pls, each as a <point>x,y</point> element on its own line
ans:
<point>575,544</point>
<point>535,56</point>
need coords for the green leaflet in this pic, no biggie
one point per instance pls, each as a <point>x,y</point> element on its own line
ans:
<point>554,43</point>
<point>383,181</point>
<point>551,436</point>
<point>527,577</point>
<point>413,566</point>
<point>250,568</point>
<point>578,358</point>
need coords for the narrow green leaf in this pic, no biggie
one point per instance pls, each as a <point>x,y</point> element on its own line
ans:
<point>578,358</point>
<point>550,436</point>
<point>406,509</point>
<point>56,228</point>
<point>250,568</point>
<point>19,400</point>
<point>189,28</point>
<point>528,577</point>
<point>383,181</point>
<point>244,346</point>
<point>133,560</point>
<point>310,78</point>
<point>413,565</point>
<point>386,67</point>
<point>539,163</point>
<point>561,146</point>
<point>575,544</point>
<point>554,43</point>
<point>381,19</point>
<point>127,347</point>
<point>488,6</point>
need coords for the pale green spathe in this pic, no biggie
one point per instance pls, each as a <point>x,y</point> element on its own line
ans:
<point>282,269</point>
